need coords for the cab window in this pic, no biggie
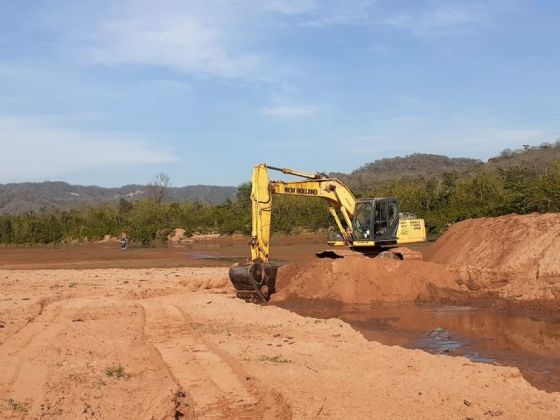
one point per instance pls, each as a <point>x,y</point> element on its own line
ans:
<point>393,212</point>
<point>380,218</point>
<point>363,222</point>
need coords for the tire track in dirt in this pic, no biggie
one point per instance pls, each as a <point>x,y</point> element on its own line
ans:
<point>24,371</point>
<point>182,403</point>
<point>218,387</point>
<point>44,371</point>
<point>190,366</point>
<point>36,310</point>
<point>269,404</point>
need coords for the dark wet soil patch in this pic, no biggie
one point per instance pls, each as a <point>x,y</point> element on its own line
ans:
<point>218,252</point>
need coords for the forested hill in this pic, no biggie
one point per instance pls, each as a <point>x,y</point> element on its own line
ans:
<point>28,197</point>
<point>419,165</point>
<point>529,157</point>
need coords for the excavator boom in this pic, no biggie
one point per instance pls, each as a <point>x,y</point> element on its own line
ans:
<point>338,196</point>
<point>254,281</point>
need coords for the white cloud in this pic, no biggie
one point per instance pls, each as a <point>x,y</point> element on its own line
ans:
<point>441,18</point>
<point>210,38</point>
<point>353,13</point>
<point>231,39</point>
<point>182,42</point>
<point>290,111</point>
<point>173,85</point>
<point>408,99</point>
<point>290,7</point>
<point>34,150</point>
<point>424,20</point>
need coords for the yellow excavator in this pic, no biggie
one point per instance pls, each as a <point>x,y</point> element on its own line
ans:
<point>368,226</point>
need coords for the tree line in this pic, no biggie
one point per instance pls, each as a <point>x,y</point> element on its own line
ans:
<point>151,221</point>
<point>452,197</point>
<point>441,200</point>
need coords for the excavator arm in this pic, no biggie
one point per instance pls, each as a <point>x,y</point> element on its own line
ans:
<point>256,281</point>
<point>338,196</point>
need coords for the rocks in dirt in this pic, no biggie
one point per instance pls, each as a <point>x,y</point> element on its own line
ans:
<point>493,413</point>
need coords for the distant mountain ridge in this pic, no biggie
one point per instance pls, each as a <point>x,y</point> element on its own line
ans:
<point>415,165</point>
<point>533,158</point>
<point>27,197</point>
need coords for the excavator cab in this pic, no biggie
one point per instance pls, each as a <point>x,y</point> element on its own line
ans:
<point>376,222</point>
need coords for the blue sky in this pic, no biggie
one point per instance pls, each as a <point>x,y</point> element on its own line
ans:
<point>110,92</point>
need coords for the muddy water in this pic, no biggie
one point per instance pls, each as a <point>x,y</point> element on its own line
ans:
<point>222,251</point>
<point>532,344</point>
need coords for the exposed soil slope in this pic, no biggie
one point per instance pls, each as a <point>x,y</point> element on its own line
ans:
<point>517,256</point>
<point>358,279</point>
<point>526,244</point>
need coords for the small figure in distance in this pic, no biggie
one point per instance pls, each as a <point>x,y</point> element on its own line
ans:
<point>124,243</point>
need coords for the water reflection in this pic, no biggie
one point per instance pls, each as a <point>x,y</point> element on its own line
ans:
<point>483,335</point>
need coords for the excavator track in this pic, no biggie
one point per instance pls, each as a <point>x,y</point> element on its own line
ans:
<point>254,282</point>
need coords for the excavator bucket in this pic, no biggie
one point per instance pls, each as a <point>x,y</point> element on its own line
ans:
<point>254,282</point>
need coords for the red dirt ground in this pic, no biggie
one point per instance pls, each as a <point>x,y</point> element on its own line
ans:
<point>175,343</point>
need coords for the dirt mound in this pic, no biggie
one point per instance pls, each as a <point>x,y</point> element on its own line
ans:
<point>358,279</point>
<point>513,257</point>
<point>524,244</point>
<point>518,256</point>
<point>176,236</point>
<point>218,285</point>
<point>108,239</point>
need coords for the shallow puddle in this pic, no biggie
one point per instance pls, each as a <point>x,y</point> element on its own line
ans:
<point>529,343</point>
<point>217,257</point>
